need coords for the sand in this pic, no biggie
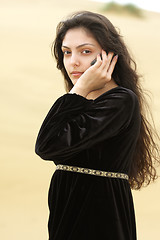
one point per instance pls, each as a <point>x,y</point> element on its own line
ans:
<point>30,83</point>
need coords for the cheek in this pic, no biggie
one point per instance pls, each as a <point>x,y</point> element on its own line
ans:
<point>65,64</point>
<point>87,64</point>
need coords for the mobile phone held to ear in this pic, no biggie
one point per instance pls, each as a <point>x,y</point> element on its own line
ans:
<point>95,60</point>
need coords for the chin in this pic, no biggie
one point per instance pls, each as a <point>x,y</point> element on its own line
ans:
<point>74,81</point>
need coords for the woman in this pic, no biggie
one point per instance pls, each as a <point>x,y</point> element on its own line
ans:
<point>96,134</point>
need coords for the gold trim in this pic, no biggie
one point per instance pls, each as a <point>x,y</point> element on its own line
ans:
<point>92,172</point>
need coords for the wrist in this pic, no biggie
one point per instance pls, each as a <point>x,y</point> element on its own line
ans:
<point>79,90</point>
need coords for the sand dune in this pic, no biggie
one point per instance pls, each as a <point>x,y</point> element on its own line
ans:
<point>30,84</point>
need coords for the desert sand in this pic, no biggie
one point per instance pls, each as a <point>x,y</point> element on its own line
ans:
<point>30,83</point>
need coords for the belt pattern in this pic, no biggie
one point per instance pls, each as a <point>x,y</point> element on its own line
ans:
<point>92,172</point>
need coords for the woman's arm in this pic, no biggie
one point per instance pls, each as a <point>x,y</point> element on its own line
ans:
<point>75,123</point>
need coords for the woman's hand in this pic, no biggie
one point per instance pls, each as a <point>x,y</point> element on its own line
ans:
<point>96,76</point>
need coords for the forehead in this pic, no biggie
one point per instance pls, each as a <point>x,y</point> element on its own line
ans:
<point>78,36</point>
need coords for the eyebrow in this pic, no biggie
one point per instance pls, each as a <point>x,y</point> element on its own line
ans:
<point>82,45</point>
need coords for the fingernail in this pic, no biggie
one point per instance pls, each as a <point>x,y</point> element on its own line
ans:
<point>116,56</point>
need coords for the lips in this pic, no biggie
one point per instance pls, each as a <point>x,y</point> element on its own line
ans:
<point>76,73</point>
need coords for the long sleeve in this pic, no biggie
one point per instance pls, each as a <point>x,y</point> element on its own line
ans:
<point>75,123</point>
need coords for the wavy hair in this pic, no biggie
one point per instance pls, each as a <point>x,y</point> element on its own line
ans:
<point>142,170</point>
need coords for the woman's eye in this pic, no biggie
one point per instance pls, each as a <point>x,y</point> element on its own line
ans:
<point>66,52</point>
<point>86,51</point>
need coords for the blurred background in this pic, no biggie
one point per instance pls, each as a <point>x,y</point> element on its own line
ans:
<point>29,85</point>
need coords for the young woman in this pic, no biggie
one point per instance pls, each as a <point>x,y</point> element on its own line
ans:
<point>96,134</point>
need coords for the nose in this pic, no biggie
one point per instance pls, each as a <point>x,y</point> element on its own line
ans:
<point>74,60</point>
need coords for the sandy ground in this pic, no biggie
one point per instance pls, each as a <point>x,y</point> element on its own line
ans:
<point>30,84</point>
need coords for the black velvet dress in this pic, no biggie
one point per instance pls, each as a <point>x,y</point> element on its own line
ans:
<point>97,134</point>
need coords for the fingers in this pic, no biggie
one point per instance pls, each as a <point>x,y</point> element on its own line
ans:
<point>99,61</point>
<point>108,63</point>
<point>107,58</point>
<point>112,65</point>
<point>105,64</point>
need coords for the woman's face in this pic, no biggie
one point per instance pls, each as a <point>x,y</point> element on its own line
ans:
<point>79,48</point>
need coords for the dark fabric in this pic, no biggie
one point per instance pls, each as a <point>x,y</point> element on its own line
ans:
<point>98,134</point>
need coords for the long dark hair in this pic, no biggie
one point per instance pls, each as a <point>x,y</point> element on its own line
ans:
<point>142,171</point>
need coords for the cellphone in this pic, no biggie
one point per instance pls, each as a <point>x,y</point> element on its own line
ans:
<point>95,60</point>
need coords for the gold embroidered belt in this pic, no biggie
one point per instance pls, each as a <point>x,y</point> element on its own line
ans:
<point>92,172</point>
